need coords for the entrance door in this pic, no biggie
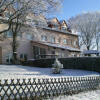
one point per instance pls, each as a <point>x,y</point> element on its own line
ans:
<point>0,55</point>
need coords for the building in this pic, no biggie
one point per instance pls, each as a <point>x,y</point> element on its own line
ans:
<point>40,38</point>
<point>92,53</point>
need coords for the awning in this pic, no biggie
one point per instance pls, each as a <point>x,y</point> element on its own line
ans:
<point>91,52</point>
<point>58,46</point>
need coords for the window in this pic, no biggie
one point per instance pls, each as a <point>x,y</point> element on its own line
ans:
<point>35,22</point>
<point>39,51</point>
<point>59,40</point>
<point>42,53</point>
<point>36,52</point>
<point>19,35</point>
<point>64,27</point>
<point>70,42</point>
<point>62,54</point>
<point>9,58</point>
<point>44,38</point>
<point>23,56</point>
<point>53,52</point>
<point>75,43</point>
<point>65,41</point>
<point>29,36</point>
<point>7,14</point>
<point>32,22</point>
<point>29,20</point>
<point>53,39</point>
<point>8,34</point>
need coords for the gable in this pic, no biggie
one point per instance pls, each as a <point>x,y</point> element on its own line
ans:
<point>64,24</point>
<point>53,21</point>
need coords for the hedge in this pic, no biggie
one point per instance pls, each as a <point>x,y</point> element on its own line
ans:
<point>85,63</point>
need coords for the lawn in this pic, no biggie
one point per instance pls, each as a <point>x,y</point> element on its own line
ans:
<point>90,95</point>
<point>18,71</point>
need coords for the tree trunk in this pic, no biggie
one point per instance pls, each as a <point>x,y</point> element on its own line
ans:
<point>88,48</point>
<point>14,48</point>
<point>97,48</point>
<point>15,30</point>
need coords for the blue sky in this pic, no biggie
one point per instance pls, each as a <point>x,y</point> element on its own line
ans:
<point>73,7</point>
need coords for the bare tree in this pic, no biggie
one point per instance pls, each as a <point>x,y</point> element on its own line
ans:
<point>88,27</point>
<point>15,29</point>
<point>26,6</point>
<point>18,10</point>
<point>97,30</point>
<point>5,4</point>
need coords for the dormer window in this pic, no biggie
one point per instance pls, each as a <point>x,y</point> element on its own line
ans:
<point>64,28</point>
<point>1,14</point>
<point>68,29</point>
<point>50,25</point>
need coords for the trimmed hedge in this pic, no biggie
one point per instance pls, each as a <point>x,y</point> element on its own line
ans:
<point>85,63</point>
